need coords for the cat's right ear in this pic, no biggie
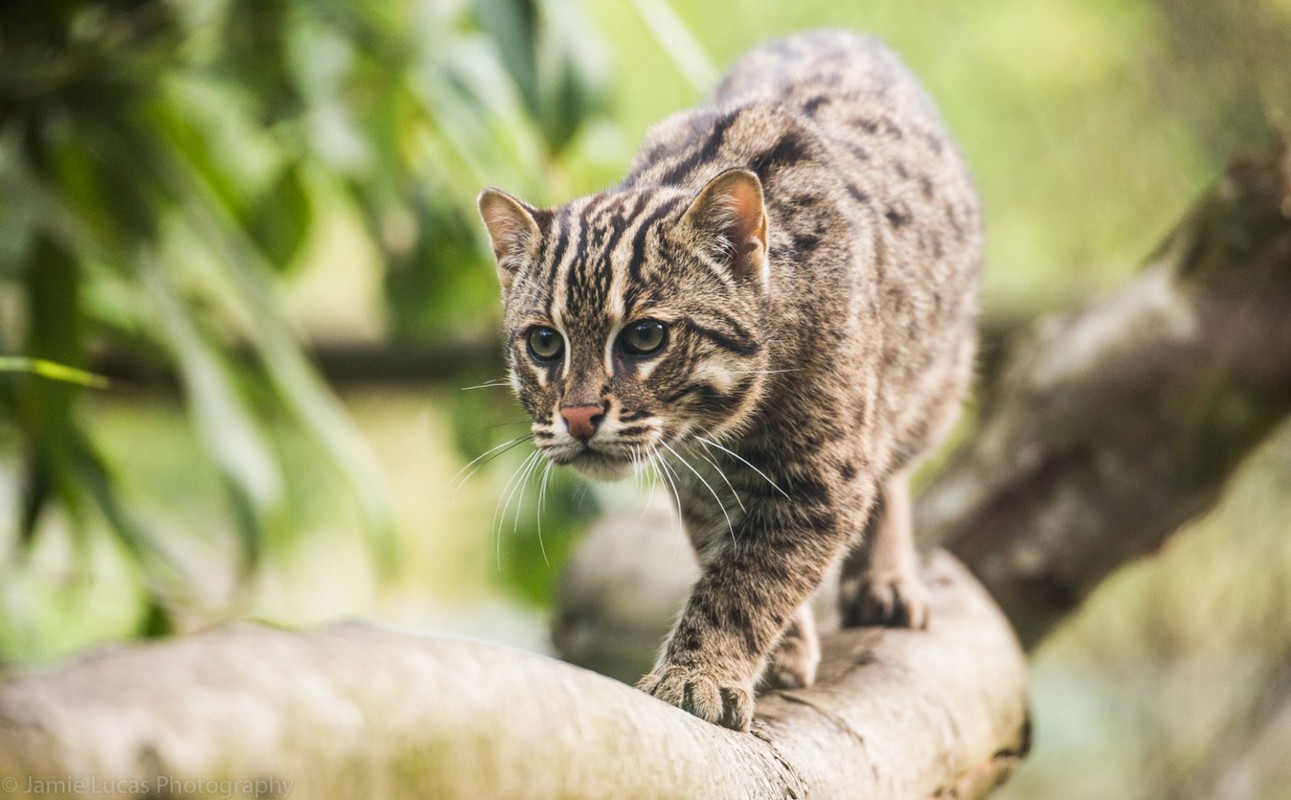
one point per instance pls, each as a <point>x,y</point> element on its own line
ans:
<point>730,218</point>
<point>513,229</point>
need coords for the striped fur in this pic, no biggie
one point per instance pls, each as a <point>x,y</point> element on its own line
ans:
<point>810,239</point>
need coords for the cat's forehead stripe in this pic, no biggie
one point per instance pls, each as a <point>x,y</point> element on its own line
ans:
<point>560,227</point>
<point>594,203</point>
<point>562,295</point>
<point>637,258</point>
<point>621,222</point>
<point>615,291</point>
<point>586,280</point>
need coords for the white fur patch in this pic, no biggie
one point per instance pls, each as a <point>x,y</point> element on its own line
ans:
<point>715,373</point>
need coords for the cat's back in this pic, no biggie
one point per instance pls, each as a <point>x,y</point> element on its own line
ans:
<point>874,221</point>
<point>841,97</point>
<point>823,71</point>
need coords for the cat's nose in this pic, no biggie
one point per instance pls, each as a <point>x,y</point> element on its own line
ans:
<point>582,420</point>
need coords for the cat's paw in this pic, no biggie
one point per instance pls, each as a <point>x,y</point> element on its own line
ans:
<point>894,599</point>
<point>702,694</point>
<point>793,663</point>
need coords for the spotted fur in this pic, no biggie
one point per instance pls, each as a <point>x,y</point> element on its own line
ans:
<point>809,239</point>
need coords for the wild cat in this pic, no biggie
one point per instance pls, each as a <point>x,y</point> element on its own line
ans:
<point>776,308</point>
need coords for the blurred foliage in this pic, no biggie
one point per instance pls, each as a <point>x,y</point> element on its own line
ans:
<point>162,166</point>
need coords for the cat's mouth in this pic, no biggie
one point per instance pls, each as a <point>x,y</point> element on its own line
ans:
<point>605,463</point>
<point>601,465</point>
<point>614,451</point>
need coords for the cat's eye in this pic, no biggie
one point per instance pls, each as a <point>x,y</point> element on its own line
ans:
<point>644,338</point>
<point>545,344</point>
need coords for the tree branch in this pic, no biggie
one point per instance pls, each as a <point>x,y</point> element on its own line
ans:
<point>357,711</point>
<point>1112,427</point>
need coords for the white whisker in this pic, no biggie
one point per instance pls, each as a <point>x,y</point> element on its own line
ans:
<point>636,469</point>
<point>661,467</point>
<point>524,483</point>
<point>542,503</point>
<point>722,473</point>
<point>508,491</point>
<point>646,472</point>
<point>507,444</point>
<point>746,462</point>
<point>729,526</point>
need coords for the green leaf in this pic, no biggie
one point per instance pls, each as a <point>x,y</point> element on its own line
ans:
<point>444,284</point>
<point>44,408</point>
<point>53,371</point>
<point>280,218</point>
<point>90,474</point>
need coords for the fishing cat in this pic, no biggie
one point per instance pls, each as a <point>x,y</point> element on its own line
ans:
<point>776,308</point>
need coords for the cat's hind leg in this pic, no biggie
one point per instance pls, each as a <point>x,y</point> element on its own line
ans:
<point>880,580</point>
<point>793,662</point>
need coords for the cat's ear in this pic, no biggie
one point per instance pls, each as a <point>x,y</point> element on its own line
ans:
<point>730,218</point>
<point>514,231</point>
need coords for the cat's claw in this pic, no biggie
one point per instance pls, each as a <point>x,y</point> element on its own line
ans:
<point>894,600</point>
<point>702,694</point>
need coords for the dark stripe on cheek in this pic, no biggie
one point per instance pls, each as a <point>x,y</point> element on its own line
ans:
<point>708,398</point>
<point>715,402</point>
<point>734,342</point>
<point>737,331</point>
<point>632,430</point>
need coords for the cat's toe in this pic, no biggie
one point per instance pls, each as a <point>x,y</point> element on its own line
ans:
<point>893,600</point>
<point>702,694</point>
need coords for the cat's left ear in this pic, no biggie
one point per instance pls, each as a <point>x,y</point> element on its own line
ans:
<point>730,217</point>
<point>514,231</point>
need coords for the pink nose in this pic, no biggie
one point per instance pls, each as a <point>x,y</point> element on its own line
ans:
<point>582,420</point>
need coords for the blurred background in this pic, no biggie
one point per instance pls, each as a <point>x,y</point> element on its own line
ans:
<point>255,219</point>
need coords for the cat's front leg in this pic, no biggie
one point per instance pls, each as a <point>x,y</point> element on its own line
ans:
<point>750,589</point>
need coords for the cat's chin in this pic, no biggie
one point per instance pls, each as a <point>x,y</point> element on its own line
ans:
<point>602,467</point>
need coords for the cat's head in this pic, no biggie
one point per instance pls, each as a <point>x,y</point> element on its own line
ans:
<point>634,318</point>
